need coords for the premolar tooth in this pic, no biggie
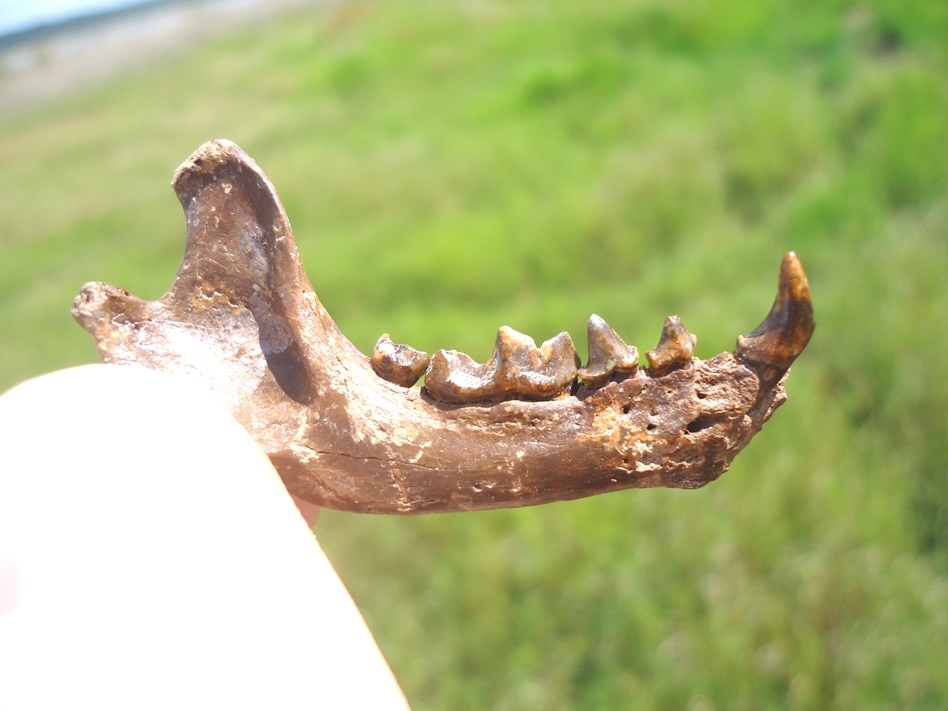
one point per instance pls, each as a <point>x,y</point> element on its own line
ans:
<point>675,349</point>
<point>787,329</point>
<point>608,353</point>
<point>397,362</point>
<point>517,368</point>
<point>456,377</point>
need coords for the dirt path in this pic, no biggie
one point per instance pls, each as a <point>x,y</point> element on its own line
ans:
<point>50,68</point>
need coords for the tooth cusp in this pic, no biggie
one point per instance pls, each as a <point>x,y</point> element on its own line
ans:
<point>675,349</point>
<point>516,369</point>
<point>608,353</point>
<point>397,362</point>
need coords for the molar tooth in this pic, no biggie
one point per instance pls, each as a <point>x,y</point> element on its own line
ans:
<point>787,329</point>
<point>608,353</point>
<point>675,349</point>
<point>531,372</point>
<point>517,368</point>
<point>397,362</point>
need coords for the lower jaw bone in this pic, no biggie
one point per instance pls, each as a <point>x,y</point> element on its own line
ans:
<point>518,430</point>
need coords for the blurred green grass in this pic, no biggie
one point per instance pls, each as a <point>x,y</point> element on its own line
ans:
<point>452,166</point>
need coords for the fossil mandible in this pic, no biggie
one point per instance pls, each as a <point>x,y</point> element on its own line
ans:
<point>528,427</point>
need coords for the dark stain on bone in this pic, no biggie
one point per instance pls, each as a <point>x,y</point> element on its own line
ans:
<point>289,371</point>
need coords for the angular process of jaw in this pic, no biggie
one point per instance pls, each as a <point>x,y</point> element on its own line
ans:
<point>350,432</point>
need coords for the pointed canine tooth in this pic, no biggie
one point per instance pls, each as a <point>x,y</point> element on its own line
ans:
<point>675,349</point>
<point>397,362</point>
<point>608,353</point>
<point>787,329</point>
<point>517,368</point>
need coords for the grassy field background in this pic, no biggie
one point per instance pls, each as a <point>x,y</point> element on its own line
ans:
<point>453,166</point>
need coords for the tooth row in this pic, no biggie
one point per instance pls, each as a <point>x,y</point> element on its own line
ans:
<point>519,369</point>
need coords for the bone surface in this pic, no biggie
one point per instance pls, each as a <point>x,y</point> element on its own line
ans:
<point>242,316</point>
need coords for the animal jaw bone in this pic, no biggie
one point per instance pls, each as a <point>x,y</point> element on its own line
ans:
<point>242,315</point>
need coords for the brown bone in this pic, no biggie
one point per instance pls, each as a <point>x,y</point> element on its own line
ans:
<point>242,316</point>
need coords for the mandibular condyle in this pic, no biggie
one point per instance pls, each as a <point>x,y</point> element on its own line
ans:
<point>532,425</point>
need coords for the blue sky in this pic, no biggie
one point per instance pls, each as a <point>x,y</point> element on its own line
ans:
<point>18,15</point>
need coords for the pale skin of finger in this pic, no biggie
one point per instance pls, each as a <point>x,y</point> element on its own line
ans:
<point>150,557</point>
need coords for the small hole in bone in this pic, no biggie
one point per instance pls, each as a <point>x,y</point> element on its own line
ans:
<point>651,426</point>
<point>626,409</point>
<point>477,487</point>
<point>701,395</point>
<point>701,423</point>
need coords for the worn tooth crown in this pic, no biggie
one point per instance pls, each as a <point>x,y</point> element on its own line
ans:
<point>675,349</point>
<point>608,353</point>
<point>397,362</point>
<point>453,376</point>
<point>516,369</point>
